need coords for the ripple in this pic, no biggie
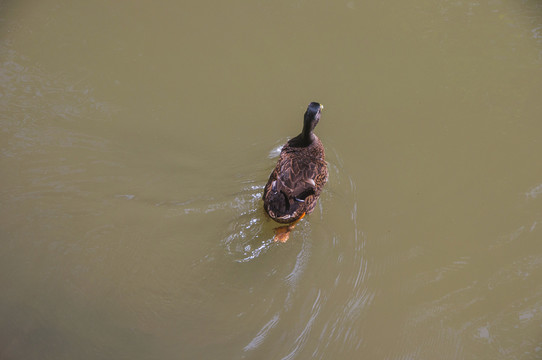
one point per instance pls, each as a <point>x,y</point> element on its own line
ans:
<point>247,238</point>
<point>275,152</point>
<point>534,191</point>
<point>288,318</point>
<point>298,316</point>
<point>261,335</point>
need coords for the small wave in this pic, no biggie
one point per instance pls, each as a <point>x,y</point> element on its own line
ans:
<point>275,152</point>
<point>247,236</point>
<point>534,192</point>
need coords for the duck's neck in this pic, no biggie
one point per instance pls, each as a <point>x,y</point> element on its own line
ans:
<point>306,135</point>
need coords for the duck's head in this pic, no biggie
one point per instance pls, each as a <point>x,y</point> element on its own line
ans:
<point>312,116</point>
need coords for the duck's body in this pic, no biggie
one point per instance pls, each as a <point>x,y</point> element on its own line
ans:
<point>296,182</point>
<point>299,176</point>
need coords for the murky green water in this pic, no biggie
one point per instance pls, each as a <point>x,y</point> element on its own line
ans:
<point>136,139</point>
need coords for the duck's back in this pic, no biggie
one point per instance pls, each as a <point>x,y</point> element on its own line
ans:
<point>297,180</point>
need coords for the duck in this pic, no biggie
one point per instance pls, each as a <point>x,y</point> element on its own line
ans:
<point>296,182</point>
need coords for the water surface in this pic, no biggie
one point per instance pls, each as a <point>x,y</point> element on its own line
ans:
<point>136,140</point>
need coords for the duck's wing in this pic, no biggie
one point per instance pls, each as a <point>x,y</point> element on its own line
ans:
<point>303,178</point>
<point>281,189</point>
<point>294,186</point>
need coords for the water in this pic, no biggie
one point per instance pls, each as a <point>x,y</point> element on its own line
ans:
<point>136,139</point>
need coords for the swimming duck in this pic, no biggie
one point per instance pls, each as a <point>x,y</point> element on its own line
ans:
<point>295,184</point>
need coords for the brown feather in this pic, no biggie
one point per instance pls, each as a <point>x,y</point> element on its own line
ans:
<point>296,182</point>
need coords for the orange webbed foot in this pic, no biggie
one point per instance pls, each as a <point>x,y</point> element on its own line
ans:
<point>282,233</point>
